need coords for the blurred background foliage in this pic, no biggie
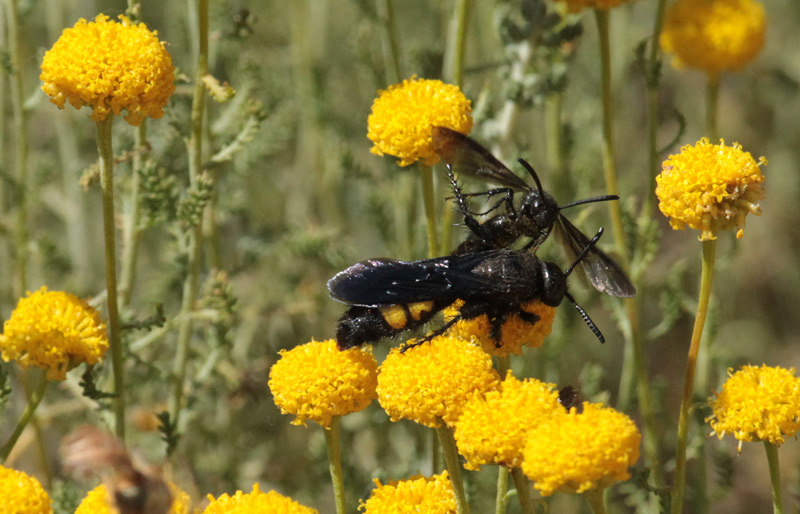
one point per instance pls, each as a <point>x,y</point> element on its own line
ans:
<point>299,197</point>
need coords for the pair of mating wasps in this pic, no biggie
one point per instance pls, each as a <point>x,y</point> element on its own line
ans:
<point>387,296</point>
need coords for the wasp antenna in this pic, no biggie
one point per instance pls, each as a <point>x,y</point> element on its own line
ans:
<point>533,174</point>
<point>585,250</point>
<point>594,199</point>
<point>586,318</point>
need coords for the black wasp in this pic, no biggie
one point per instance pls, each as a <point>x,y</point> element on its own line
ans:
<point>388,296</point>
<point>535,218</point>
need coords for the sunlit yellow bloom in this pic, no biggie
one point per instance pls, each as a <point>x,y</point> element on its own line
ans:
<point>316,381</point>
<point>714,35</point>
<point>432,382</point>
<point>514,334</point>
<point>710,188</point>
<point>22,494</point>
<point>578,5</point>
<point>517,407</point>
<point>54,331</point>
<point>404,114</point>
<point>97,501</point>
<point>109,66</point>
<point>417,494</point>
<point>255,502</point>
<point>758,404</point>
<point>575,452</point>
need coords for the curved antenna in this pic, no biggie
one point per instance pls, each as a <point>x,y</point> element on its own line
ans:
<point>603,198</point>
<point>533,174</point>
<point>585,250</point>
<point>586,318</point>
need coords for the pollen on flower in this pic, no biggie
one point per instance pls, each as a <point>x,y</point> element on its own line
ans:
<point>758,403</point>
<point>433,381</point>
<point>432,495</point>
<point>55,331</point>
<point>710,188</point>
<point>22,493</point>
<point>575,452</point>
<point>98,501</point>
<point>315,381</point>
<point>517,406</point>
<point>255,502</point>
<point>714,35</point>
<point>404,114</point>
<point>575,6</point>
<point>514,334</point>
<point>109,66</point>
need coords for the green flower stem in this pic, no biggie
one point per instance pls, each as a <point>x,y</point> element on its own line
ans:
<point>33,401</point>
<point>774,476</point>
<point>335,463</point>
<point>523,487</point>
<point>428,198</point>
<point>709,251</point>
<point>391,49</point>
<point>501,499</point>
<point>596,500</point>
<point>448,443</point>
<point>106,153</point>
<point>712,102</point>
<point>457,42</point>
<point>652,79</point>
<point>130,244</point>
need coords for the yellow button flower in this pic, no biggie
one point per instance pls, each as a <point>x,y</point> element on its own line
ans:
<point>403,116</point>
<point>97,501</point>
<point>710,188</point>
<point>255,502</point>
<point>575,6</point>
<point>517,407</point>
<point>758,404</point>
<point>714,35</point>
<point>316,381</point>
<point>433,381</point>
<point>514,334</point>
<point>433,495</point>
<point>109,66</point>
<point>575,452</point>
<point>54,331</point>
<point>22,494</point>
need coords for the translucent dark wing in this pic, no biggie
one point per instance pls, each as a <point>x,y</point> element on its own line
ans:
<point>377,282</point>
<point>604,274</point>
<point>468,158</point>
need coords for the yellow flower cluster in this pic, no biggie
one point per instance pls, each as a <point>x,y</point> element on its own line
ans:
<point>433,381</point>
<point>574,452</point>
<point>255,502</point>
<point>22,494</point>
<point>433,495</point>
<point>514,334</point>
<point>403,115</point>
<point>710,188</point>
<point>109,66</point>
<point>97,501</point>
<point>714,35</point>
<point>517,407</point>
<point>758,403</point>
<point>575,6</point>
<point>316,381</point>
<point>54,331</point>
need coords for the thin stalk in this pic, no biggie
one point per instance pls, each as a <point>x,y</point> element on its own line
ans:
<point>501,499</point>
<point>106,153</point>
<point>33,401</point>
<point>190,286</point>
<point>428,198</point>
<point>130,236</point>
<point>596,500</point>
<point>523,487</point>
<point>652,79</point>
<point>707,274</point>
<point>448,443</point>
<point>391,49</point>
<point>335,463</point>
<point>712,102</point>
<point>457,42</point>
<point>774,476</point>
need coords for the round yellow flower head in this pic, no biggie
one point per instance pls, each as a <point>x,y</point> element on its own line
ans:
<point>22,494</point>
<point>517,407</point>
<point>403,115</point>
<point>255,502</point>
<point>433,381</point>
<point>714,35</point>
<point>758,404</point>
<point>433,495</point>
<point>574,452</point>
<point>710,188</point>
<point>97,501</point>
<point>316,381</point>
<point>109,66</point>
<point>514,334</point>
<point>54,331</point>
<point>575,6</point>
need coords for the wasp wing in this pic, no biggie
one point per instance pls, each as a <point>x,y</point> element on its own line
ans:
<point>468,158</point>
<point>377,282</point>
<point>603,272</point>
